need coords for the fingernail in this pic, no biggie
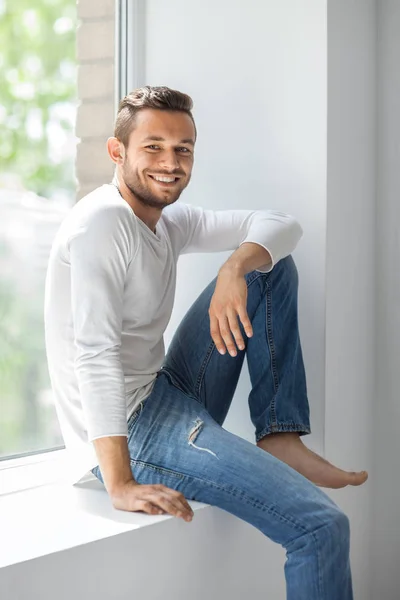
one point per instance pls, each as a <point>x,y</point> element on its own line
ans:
<point>221,351</point>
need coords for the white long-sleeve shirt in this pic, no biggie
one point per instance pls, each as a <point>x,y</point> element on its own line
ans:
<point>109,296</point>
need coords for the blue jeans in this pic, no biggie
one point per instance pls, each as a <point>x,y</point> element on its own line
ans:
<point>176,436</point>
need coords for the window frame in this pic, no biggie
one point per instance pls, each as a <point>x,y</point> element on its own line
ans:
<point>43,467</point>
<point>130,16</point>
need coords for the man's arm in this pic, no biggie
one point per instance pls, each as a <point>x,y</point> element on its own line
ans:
<point>259,238</point>
<point>99,256</point>
<point>248,257</point>
<point>114,462</point>
<point>200,230</point>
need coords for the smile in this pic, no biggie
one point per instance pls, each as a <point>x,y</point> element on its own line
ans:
<point>164,180</point>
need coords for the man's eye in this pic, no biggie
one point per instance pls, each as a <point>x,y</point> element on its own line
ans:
<point>184,150</point>
<point>153,147</point>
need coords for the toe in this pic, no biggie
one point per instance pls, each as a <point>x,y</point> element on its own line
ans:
<point>358,478</point>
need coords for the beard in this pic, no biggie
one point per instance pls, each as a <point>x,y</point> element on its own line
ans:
<point>145,195</point>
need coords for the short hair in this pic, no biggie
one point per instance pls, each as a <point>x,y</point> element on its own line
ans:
<point>160,98</point>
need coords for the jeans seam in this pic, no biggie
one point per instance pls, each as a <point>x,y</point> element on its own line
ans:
<point>320,583</point>
<point>272,351</point>
<point>203,368</point>
<point>161,470</point>
<point>232,492</point>
<point>172,381</point>
<point>282,428</point>
<point>211,348</point>
<point>134,417</point>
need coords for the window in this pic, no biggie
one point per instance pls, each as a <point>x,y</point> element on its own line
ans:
<point>37,186</point>
<point>57,64</point>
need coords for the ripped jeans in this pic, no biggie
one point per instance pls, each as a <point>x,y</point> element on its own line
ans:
<point>176,436</point>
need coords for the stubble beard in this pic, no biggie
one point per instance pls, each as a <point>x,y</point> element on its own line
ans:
<point>144,195</point>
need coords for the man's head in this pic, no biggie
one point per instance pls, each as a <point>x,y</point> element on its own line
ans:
<point>154,137</point>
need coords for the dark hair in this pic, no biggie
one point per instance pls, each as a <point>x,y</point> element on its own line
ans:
<point>160,98</point>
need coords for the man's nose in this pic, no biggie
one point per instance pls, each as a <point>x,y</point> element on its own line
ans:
<point>169,160</point>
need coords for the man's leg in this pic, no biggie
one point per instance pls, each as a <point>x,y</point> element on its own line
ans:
<point>278,400</point>
<point>174,441</point>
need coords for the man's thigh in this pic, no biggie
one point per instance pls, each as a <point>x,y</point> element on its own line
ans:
<point>194,364</point>
<point>176,442</point>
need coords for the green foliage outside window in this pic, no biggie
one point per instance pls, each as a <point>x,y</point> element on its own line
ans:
<point>38,66</point>
<point>37,148</point>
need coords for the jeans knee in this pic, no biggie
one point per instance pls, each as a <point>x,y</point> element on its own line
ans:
<point>289,268</point>
<point>339,526</point>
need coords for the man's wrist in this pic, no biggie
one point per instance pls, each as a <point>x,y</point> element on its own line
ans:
<point>118,490</point>
<point>114,461</point>
<point>248,257</point>
<point>232,267</point>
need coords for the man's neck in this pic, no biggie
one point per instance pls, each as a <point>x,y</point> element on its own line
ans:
<point>149,216</point>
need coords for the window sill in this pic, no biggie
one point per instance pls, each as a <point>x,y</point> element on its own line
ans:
<point>30,472</point>
<point>63,541</point>
<point>52,518</point>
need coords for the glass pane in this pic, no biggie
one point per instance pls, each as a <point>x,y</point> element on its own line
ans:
<point>38,102</point>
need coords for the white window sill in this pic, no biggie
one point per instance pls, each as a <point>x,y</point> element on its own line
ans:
<point>41,514</point>
<point>28,472</point>
<point>52,518</point>
<point>62,541</point>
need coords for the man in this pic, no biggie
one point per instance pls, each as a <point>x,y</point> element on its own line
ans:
<point>149,426</point>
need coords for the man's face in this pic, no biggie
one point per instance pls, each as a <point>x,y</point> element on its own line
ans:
<point>161,145</point>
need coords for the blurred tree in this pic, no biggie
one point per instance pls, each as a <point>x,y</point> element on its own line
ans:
<point>38,93</point>
<point>38,98</point>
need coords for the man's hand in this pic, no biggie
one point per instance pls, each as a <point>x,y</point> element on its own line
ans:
<point>154,499</point>
<point>229,302</point>
<point>126,493</point>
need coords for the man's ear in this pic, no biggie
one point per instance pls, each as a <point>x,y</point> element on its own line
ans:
<point>116,150</point>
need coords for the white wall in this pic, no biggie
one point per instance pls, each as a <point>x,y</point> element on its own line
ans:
<point>272,133</point>
<point>350,264</point>
<point>386,411</point>
<point>257,73</point>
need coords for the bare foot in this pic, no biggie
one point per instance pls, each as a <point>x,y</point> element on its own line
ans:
<point>289,448</point>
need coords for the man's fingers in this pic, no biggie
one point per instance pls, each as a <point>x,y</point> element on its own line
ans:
<point>149,508</point>
<point>179,496</point>
<point>172,505</point>
<point>216,334</point>
<point>222,329</point>
<point>226,335</point>
<point>234,326</point>
<point>244,318</point>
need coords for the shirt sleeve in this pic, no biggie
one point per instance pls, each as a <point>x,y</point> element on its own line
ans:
<point>204,230</point>
<point>100,252</point>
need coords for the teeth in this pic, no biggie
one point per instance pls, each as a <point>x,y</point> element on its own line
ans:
<point>164,179</point>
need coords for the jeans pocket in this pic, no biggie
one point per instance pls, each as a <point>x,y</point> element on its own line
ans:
<point>134,417</point>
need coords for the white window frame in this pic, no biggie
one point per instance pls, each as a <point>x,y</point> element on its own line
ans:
<point>39,468</point>
<point>130,32</point>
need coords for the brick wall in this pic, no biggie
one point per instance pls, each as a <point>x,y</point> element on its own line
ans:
<point>96,112</point>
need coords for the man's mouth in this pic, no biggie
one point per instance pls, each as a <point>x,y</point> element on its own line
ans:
<point>164,180</point>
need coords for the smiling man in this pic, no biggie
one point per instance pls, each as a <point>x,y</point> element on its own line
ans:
<point>149,426</point>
